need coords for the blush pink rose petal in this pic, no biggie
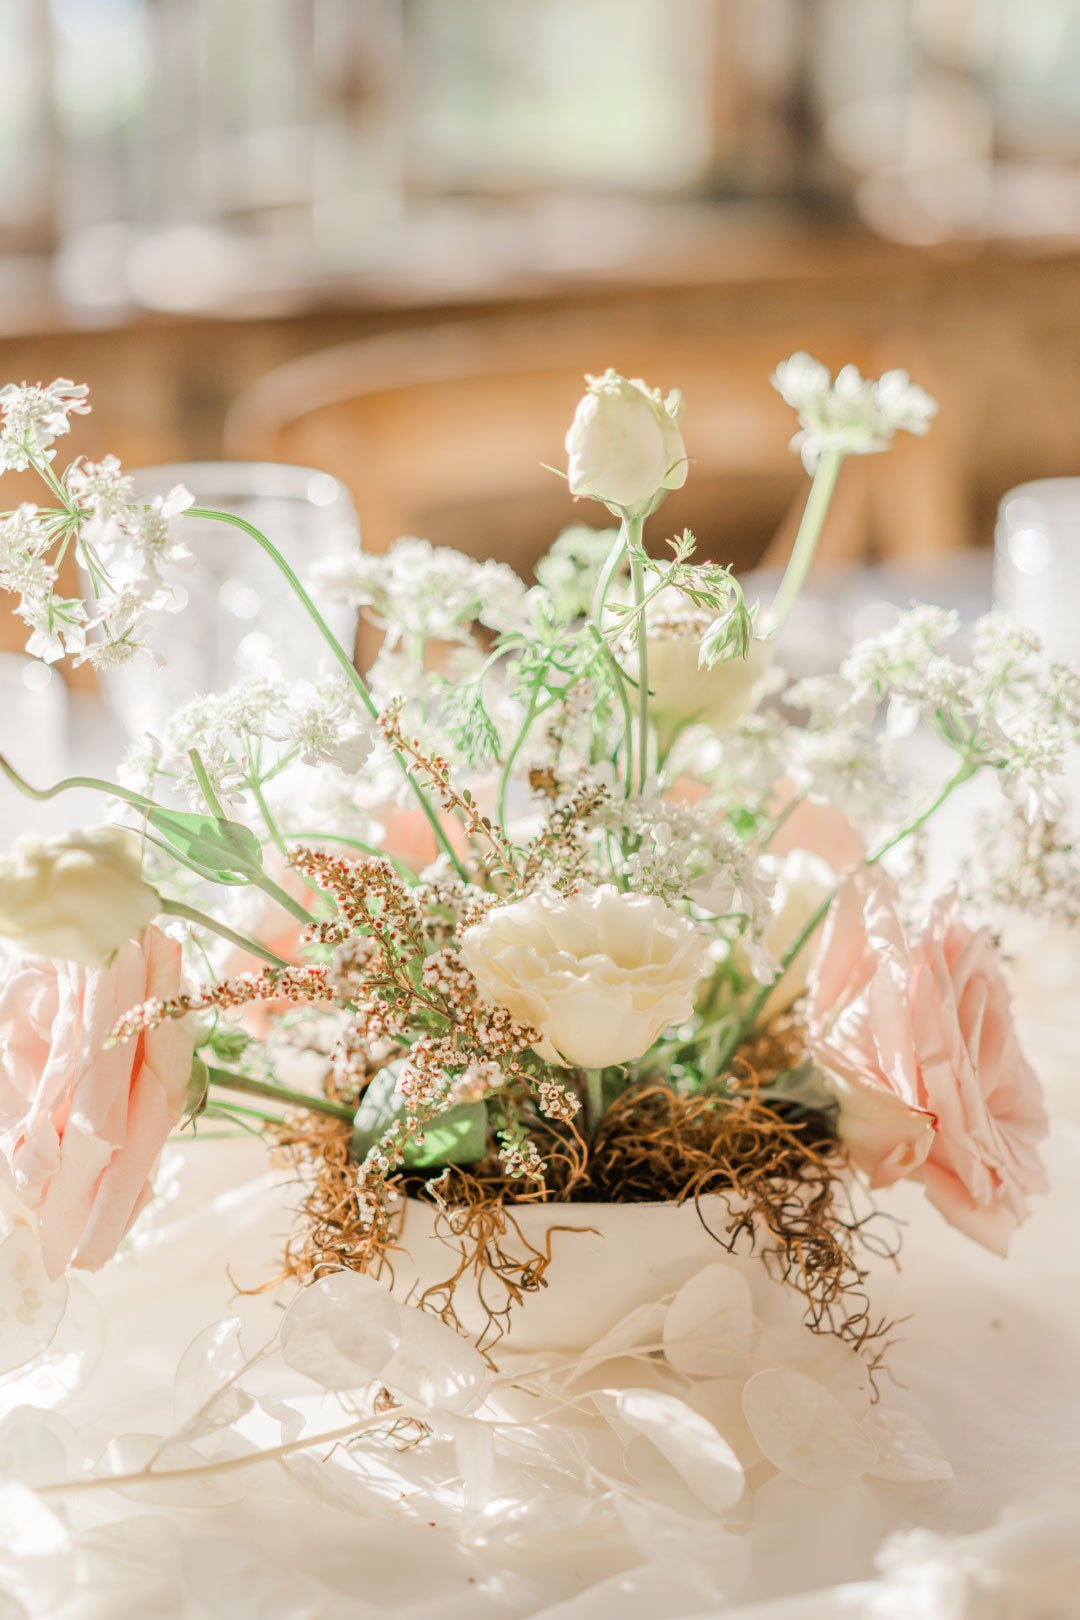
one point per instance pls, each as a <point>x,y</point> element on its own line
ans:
<point>82,1125</point>
<point>922,1055</point>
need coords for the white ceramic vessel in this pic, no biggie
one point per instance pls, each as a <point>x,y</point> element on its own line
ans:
<point>606,1260</point>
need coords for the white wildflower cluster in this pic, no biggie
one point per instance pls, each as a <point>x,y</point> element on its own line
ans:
<point>1028,864</point>
<point>32,416</point>
<point>906,665</point>
<point>123,546</point>
<point>557,1102</point>
<point>477,1080</point>
<point>57,624</point>
<point>679,852</point>
<point>847,765</point>
<point>853,415</point>
<point>521,1158</point>
<point>570,571</point>
<point>1008,706</point>
<point>419,590</point>
<point>251,733</point>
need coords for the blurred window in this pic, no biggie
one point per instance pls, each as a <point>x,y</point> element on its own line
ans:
<point>159,148</point>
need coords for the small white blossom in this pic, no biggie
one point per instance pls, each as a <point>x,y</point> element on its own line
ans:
<point>906,661</point>
<point>417,589</point>
<point>103,490</point>
<point>143,542</point>
<point>853,415</point>
<point>32,416</point>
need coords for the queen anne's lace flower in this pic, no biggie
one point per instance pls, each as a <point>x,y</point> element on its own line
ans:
<point>33,415</point>
<point>417,589</point>
<point>853,415</point>
<point>104,490</point>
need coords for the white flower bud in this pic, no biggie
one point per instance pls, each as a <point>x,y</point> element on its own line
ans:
<point>624,444</point>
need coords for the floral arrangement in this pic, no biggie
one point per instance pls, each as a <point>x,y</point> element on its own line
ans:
<point>572,898</point>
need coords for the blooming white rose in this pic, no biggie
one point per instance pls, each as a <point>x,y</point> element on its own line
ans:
<point>599,973</point>
<point>77,898</point>
<point>684,691</point>
<point>624,443</point>
<point>803,882</point>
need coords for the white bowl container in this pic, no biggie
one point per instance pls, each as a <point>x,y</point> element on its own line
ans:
<point>606,1259</point>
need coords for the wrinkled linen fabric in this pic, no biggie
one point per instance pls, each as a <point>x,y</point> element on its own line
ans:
<point>989,1360</point>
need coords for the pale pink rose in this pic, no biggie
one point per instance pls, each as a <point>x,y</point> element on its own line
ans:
<point>919,1045</point>
<point>81,1125</point>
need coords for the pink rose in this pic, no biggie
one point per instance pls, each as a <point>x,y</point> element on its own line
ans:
<point>920,1049</point>
<point>81,1125</point>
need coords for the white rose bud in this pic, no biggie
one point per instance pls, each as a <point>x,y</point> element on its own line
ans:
<point>599,973</point>
<point>624,444</point>
<point>683,691</point>
<point>803,882</point>
<point>77,898</point>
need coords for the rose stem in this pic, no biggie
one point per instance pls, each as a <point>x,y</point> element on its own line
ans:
<point>283,1094</point>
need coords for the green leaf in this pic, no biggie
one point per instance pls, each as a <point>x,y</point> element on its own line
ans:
<point>227,1042</point>
<point>456,1136</point>
<point>804,1089</point>
<point>198,1086</point>
<point>226,851</point>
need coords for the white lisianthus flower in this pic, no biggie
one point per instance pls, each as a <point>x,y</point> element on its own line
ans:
<point>683,690</point>
<point>599,973</point>
<point>624,443</point>
<point>77,898</point>
<point>803,882</point>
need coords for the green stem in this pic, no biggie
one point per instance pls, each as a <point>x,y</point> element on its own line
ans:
<point>778,821</point>
<point>177,908</point>
<point>806,541</point>
<point>264,810</point>
<point>594,1099</point>
<point>352,674</point>
<point>213,803</point>
<point>607,574</point>
<point>276,892</point>
<point>619,682</point>
<point>140,802</point>
<point>964,770</point>
<point>526,724</point>
<point>283,1094</point>
<point>637,577</point>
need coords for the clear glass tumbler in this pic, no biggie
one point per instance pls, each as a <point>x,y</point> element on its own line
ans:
<point>34,736</point>
<point>1037,561</point>
<point>239,615</point>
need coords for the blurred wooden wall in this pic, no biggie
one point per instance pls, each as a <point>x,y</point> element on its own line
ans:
<point>994,333</point>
